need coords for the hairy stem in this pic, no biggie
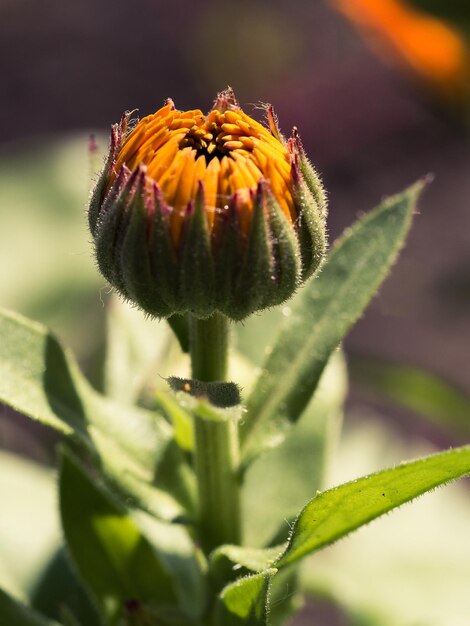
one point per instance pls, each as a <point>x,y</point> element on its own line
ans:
<point>216,440</point>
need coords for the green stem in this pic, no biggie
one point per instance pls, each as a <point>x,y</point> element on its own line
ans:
<point>209,347</point>
<point>216,440</point>
<point>217,457</point>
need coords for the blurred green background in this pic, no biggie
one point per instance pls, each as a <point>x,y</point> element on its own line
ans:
<point>371,126</point>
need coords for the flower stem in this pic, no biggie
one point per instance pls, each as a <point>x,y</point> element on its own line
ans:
<point>209,347</point>
<point>216,440</point>
<point>216,464</point>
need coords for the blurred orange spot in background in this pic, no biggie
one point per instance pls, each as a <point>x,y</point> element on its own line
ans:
<point>432,49</point>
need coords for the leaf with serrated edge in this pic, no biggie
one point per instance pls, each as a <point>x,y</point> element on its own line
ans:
<point>321,317</point>
<point>335,513</point>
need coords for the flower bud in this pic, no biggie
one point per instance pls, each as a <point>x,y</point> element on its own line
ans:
<point>200,214</point>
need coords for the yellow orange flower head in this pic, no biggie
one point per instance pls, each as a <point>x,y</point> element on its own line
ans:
<point>199,213</point>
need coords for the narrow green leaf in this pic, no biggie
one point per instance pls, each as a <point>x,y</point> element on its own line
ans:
<point>281,481</point>
<point>13,613</point>
<point>415,389</point>
<point>323,314</point>
<point>115,560</point>
<point>335,513</point>
<point>245,601</point>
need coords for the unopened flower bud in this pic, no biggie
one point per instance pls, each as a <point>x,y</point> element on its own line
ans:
<point>200,214</point>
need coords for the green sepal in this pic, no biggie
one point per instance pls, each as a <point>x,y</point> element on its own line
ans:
<point>313,182</point>
<point>311,203</point>
<point>285,251</point>
<point>228,253</point>
<point>96,200</point>
<point>197,270</point>
<point>162,256</point>
<point>254,284</point>
<point>311,229</point>
<point>110,232</point>
<point>134,257</point>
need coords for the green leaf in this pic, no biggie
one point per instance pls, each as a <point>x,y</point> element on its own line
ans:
<point>59,592</point>
<point>321,317</point>
<point>41,379</point>
<point>281,481</point>
<point>182,559</point>
<point>245,601</point>
<point>160,503</point>
<point>417,390</point>
<point>135,347</point>
<point>420,552</point>
<point>13,613</point>
<point>35,376</point>
<point>115,560</point>
<point>334,513</point>
<point>181,420</point>
<point>229,562</point>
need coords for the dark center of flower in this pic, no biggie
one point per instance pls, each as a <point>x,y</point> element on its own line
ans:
<point>216,138</point>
